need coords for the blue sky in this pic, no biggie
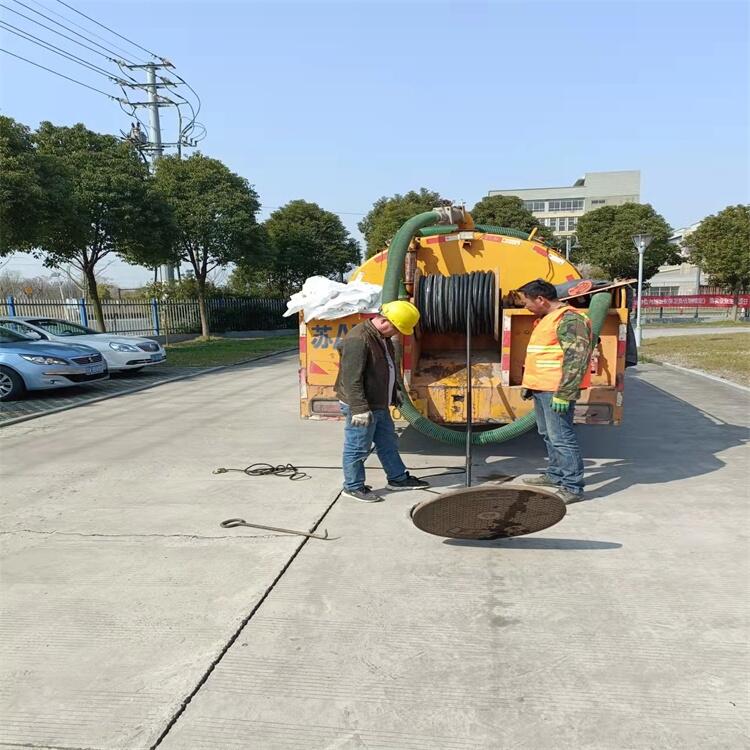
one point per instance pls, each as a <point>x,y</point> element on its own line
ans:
<point>340,103</point>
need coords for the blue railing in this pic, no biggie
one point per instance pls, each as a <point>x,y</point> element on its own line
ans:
<point>152,317</point>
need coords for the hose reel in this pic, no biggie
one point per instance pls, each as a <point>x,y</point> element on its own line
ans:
<point>443,302</point>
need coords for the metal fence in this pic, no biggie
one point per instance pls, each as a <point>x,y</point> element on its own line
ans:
<point>154,318</point>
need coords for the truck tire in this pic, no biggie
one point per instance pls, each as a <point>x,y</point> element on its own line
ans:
<point>11,385</point>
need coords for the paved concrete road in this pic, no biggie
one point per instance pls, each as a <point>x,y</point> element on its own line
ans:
<point>622,627</point>
<point>39,402</point>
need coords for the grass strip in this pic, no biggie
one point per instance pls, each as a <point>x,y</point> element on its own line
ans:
<point>725,355</point>
<point>223,351</point>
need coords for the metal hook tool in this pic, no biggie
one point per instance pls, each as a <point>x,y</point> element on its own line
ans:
<point>231,523</point>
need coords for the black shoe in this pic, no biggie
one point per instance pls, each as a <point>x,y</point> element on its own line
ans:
<point>364,495</point>
<point>408,483</point>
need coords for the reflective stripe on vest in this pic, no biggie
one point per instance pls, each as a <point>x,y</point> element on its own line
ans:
<point>544,354</point>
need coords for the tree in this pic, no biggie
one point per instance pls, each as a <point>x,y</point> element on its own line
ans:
<point>388,214</point>
<point>215,214</point>
<point>32,189</point>
<point>605,237</point>
<point>721,247</point>
<point>184,290</point>
<point>302,240</point>
<point>509,211</point>
<point>110,207</point>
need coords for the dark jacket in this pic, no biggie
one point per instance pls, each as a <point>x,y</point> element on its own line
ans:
<point>362,382</point>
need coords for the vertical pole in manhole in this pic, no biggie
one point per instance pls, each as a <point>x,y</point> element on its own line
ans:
<point>469,310</point>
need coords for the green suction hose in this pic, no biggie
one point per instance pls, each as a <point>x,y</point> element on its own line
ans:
<point>487,228</point>
<point>394,270</point>
<point>393,277</point>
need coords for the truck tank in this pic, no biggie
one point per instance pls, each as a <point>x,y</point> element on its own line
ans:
<point>451,268</point>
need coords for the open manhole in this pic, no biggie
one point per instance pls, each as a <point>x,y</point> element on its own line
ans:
<point>489,512</point>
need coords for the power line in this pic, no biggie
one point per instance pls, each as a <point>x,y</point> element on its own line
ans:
<point>192,130</point>
<point>78,26</point>
<point>200,104</point>
<point>57,50</point>
<point>111,31</point>
<point>49,70</point>
<point>62,25</point>
<point>55,31</point>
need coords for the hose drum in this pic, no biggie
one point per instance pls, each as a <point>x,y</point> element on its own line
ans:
<point>443,302</point>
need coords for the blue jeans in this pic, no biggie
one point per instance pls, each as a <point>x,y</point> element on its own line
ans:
<point>357,444</point>
<point>565,462</point>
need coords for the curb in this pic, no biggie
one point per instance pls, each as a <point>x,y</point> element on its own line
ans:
<point>707,375</point>
<point>138,388</point>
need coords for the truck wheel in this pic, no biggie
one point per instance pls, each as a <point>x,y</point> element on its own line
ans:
<point>11,385</point>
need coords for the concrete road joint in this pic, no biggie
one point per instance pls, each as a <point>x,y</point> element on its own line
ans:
<point>141,536</point>
<point>144,387</point>
<point>186,702</point>
<point>27,746</point>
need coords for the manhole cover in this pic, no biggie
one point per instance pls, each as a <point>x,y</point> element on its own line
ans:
<point>489,512</point>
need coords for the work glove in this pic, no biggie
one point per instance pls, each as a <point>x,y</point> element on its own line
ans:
<point>527,394</point>
<point>560,405</point>
<point>398,396</point>
<point>362,420</point>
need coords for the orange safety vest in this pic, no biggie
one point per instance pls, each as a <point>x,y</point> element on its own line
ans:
<point>544,354</point>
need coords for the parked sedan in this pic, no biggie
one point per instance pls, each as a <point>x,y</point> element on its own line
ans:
<point>120,352</point>
<point>27,365</point>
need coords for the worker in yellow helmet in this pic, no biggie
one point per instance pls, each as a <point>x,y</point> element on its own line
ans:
<point>367,387</point>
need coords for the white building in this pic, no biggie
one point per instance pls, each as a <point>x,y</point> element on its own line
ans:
<point>560,207</point>
<point>684,278</point>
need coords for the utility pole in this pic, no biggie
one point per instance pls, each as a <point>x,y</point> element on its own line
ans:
<point>156,148</point>
<point>155,127</point>
<point>154,121</point>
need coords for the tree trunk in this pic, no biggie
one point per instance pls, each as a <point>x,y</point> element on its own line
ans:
<point>94,294</point>
<point>201,283</point>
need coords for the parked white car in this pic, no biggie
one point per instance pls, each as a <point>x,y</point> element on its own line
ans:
<point>120,352</point>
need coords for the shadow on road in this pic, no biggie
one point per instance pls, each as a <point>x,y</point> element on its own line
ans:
<point>534,543</point>
<point>662,439</point>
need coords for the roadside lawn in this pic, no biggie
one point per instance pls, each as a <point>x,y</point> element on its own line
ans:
<point>220,351</point>
<point>689,323</point>
<point>725,355</point>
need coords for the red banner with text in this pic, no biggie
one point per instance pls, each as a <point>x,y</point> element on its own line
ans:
<point>697,300</point>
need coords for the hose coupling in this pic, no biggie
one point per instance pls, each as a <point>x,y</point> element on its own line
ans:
<point>450,214</point>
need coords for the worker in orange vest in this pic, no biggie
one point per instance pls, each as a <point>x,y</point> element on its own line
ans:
<point>556,370</point>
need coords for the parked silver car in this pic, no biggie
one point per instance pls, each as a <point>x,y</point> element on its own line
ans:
<point>121,352</point>
<point>27,365</point>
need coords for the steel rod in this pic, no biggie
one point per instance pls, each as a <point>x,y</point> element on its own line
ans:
<point>469,311</point>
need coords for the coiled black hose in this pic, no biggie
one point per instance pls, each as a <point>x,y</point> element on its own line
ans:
<point>443,302</point>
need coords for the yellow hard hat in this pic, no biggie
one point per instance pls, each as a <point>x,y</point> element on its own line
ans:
<point>402,314</point>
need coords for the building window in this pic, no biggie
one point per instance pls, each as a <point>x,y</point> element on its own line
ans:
<point>571,204</point>
<point>661,291</point>
<point>598,202</point>
<point>534,205</point>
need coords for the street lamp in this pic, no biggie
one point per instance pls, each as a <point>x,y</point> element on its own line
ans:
<point>576,245</point>
<point>57,275</point>
<point>641,242</point>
